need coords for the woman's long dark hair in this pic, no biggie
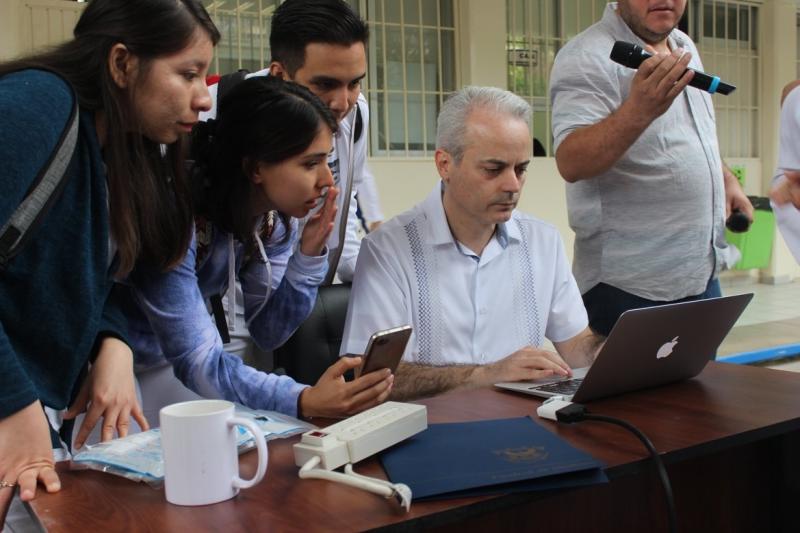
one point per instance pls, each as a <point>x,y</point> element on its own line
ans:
<point>264,120</point>
<point>149,197</point>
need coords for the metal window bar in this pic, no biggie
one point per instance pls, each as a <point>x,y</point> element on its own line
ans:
<point>423,87</point>
<point>244,25</point>
<point>440,70</point>
<point>413,141</point>
<point>404,70</point>
<point>544,25</point>
<point>729,47</point>
<point>245,28</point>
<point>387,135</point>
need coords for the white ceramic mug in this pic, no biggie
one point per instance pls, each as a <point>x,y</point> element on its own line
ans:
<point>201,463</point>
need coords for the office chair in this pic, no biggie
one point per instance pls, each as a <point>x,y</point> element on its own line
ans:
<point>315,344</point>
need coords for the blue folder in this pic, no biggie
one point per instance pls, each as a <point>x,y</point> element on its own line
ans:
<point>488,457</point>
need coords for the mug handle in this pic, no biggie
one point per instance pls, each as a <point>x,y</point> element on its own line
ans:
<point>261,444</point>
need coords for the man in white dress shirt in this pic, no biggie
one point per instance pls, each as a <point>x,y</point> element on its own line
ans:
<point>481,284</point>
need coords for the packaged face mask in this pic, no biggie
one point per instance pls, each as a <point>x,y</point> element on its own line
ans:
<point>138,457</point>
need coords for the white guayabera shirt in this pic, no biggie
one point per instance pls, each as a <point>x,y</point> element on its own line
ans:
<point>464,309</point>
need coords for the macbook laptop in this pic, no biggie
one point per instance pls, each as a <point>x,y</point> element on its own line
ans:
<point>648,347</point>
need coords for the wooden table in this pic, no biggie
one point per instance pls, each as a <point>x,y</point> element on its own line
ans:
<point>730,439</point>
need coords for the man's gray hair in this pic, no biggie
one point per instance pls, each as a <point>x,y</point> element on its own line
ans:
<point>451,126</point>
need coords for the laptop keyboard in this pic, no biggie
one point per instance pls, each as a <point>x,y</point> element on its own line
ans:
<point>569,386</point>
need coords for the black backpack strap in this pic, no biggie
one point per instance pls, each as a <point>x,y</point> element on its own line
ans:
<point>224,86</point>
<point>228,82</point>
<point>219,318</point>
<point>44,192</point>
<point>203,131</point>
<point>359,127</point>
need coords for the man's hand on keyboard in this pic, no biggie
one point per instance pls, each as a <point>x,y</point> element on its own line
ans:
<point>333,397</point>
<point>523,365</point>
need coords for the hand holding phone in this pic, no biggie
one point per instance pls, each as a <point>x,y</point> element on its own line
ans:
<point>385,349</point>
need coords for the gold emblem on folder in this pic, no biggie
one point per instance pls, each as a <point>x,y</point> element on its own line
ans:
<point>526,454</point>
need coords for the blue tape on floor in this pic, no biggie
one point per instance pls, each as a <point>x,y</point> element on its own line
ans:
<point>758,356</point>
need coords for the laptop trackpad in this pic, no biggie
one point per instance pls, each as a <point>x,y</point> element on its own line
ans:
<point>577,373</point>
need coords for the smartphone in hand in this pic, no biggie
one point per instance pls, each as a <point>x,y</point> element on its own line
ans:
<point>385,349</point>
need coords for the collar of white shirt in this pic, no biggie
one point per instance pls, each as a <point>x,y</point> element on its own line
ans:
<point>437,231</point>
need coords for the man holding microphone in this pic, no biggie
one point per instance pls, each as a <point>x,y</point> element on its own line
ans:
<point>647,190</point>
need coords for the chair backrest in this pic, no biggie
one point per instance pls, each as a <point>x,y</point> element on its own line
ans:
<point>315,345</point>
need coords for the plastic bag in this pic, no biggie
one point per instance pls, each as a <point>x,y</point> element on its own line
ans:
<point>138,457</point>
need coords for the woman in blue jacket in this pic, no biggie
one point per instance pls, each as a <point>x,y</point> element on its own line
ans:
<point>260,167</point>
<point>137,69</point>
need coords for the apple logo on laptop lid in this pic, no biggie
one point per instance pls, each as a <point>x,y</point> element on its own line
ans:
<point>666,348</point>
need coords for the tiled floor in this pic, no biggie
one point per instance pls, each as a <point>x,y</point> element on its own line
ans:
<point>771,303</point>
<point>794,366</point>
<point>771,319</point>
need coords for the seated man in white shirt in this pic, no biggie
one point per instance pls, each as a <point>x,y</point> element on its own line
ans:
<point>480,283</point>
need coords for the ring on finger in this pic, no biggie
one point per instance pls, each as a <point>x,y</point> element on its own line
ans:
<point>7,484</point>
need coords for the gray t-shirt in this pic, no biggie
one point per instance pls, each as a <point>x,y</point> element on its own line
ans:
<point>646,225</point>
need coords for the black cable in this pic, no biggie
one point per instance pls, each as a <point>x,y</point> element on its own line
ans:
<point>576,412</point>
<point>662,472</point>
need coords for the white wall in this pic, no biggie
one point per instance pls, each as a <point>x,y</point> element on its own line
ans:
<point>403,183</point>
<point>544,197</point>
<point>27,25</point>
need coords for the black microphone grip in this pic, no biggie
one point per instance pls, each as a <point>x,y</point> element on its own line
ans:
<point>738,222</point>
<point>632,55</point>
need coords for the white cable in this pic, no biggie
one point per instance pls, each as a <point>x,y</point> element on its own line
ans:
<point>333,259</point>
<point>265,259</point>
<point>377,486</point>
<point>400,490</point>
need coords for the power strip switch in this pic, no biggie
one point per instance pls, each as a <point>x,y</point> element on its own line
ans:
<point>362,435</point>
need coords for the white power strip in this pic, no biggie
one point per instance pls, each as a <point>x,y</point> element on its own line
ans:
<point>550,407</point>
<point>362,435</point>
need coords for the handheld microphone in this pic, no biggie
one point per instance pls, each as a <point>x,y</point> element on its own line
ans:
<point>738,222</point>
<point>631,56</point>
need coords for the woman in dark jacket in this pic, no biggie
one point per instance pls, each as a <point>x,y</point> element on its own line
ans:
<point>137,68</point>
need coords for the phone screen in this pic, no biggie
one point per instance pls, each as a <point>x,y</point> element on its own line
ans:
<point>385,349</point>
